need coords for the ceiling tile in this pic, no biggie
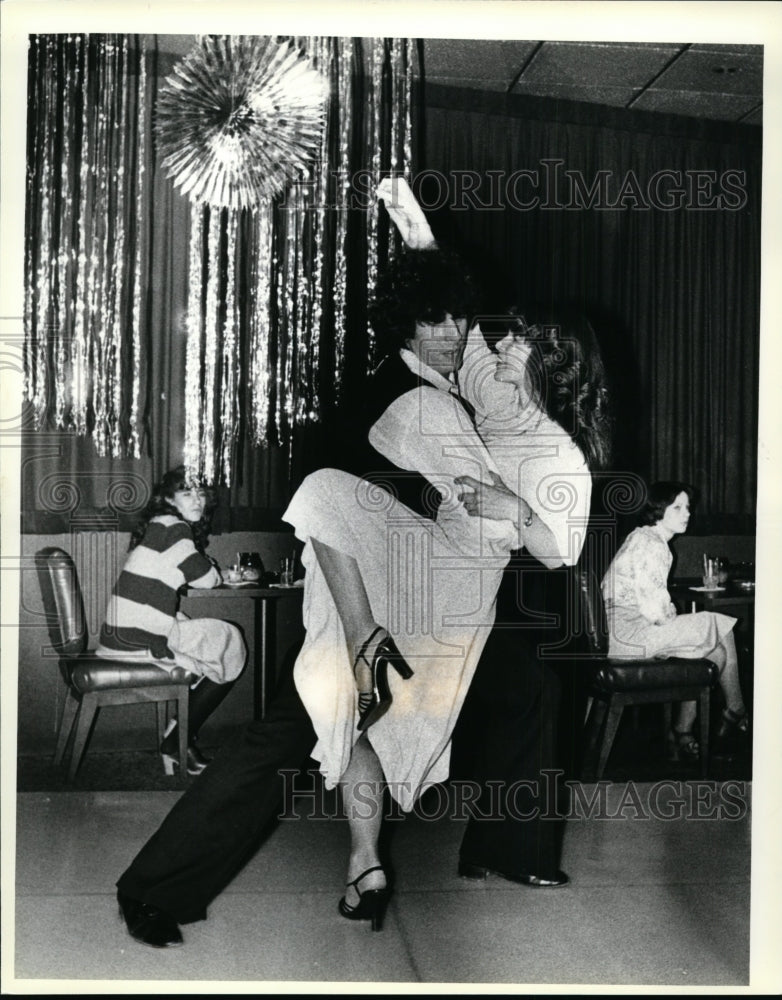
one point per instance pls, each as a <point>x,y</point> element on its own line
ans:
<point>598,64</point>
<point>724,107</point>
<point>460,58</point>
<point>716,72</point>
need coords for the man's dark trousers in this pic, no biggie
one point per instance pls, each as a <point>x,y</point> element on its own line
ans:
<point>517,734</point>
<point>219,822</point>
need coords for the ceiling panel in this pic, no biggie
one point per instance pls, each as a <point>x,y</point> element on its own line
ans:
<point>475,59</point>
<point>701,80</point>
<point>714,72</point>
<point>598,64</point>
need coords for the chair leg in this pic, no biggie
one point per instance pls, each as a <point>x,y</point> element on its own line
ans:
<point>69,712</point>
<point>162,719</point>
<point>183,712</point>
<point>89,708</point>
<point>667,721</point>
<point>704,702</point>
<point>610,727</point>
<point>594,725</point>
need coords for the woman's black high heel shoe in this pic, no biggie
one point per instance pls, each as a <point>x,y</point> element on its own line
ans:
<point>371,903</point>
<point>373,705</point>
<point>682,746</point>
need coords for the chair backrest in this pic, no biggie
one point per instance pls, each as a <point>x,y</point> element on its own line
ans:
<point>62,600</point>
<point>593,615</point>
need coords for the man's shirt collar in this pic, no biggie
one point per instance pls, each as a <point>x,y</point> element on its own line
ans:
<point>417,367</point>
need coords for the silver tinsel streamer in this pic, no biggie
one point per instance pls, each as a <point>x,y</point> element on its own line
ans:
<point>323,55</point>
<point>135,440</point>
<point>81,301</point>
<point>194,352</point>
<point>260,293</point>
<point>376,63</point>
<point>343,174</point>
<point>231,373</point>
<point>209,427</point>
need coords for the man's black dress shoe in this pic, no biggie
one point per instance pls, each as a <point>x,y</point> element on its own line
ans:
<point>148,924</point>
<point>469,870</point>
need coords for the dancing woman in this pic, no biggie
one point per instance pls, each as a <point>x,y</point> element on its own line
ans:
<point>388,588</point>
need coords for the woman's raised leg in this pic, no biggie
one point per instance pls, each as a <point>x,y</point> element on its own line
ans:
<point>370,647</point>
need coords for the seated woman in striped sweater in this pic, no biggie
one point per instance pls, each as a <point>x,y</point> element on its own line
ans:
<point>143,620</point>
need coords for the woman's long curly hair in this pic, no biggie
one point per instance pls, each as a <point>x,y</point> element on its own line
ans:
<point>568,377</point>
<point>420,286</point>
<point>160,503</point>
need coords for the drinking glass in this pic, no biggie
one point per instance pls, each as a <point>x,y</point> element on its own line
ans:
<point>710,572</point>
<point>286,571</point>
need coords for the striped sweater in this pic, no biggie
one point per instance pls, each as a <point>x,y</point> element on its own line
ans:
<point>143,605</point>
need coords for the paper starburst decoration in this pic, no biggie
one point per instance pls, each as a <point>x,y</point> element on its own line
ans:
<point>240,118</point>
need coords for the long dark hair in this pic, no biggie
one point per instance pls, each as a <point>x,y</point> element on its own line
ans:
<point>568,377</point>
<point>659,498</point>
<point>160,503</point>
<point>420,286</point>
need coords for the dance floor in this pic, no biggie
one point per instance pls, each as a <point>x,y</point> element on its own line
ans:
<point>660,895</point>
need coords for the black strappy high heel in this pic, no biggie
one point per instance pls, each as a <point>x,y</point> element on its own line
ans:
<point>371,903</point>
<point>375,703</point>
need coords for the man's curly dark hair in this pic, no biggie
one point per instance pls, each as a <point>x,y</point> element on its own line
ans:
<point>160,503</point>
<point>420,286</point>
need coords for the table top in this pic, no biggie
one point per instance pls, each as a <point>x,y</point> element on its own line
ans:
<point>243,590</point>
<point>730,595</point>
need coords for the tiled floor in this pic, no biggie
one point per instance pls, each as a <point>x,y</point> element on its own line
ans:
<point>653,901</point>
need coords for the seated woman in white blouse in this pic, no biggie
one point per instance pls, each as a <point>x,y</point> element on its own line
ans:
<point>643,621</point>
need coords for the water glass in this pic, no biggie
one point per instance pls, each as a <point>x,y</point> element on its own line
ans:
<point>286,571</point>
<point>710,572</point>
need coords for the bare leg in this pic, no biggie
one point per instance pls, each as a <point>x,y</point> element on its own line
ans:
<point>728,665</point>
<point>362,796</point>
<point>686,717</point>
<point>726,660</point>
<point>350,597</point>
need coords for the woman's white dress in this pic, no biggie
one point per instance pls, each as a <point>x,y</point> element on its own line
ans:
<point>642,620</point>
<point>431,584</point>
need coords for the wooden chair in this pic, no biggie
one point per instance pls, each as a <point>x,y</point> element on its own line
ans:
<point>617,684</point>
<point>93,682</point>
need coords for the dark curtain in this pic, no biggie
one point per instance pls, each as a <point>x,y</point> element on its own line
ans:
<point>673,292</point>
